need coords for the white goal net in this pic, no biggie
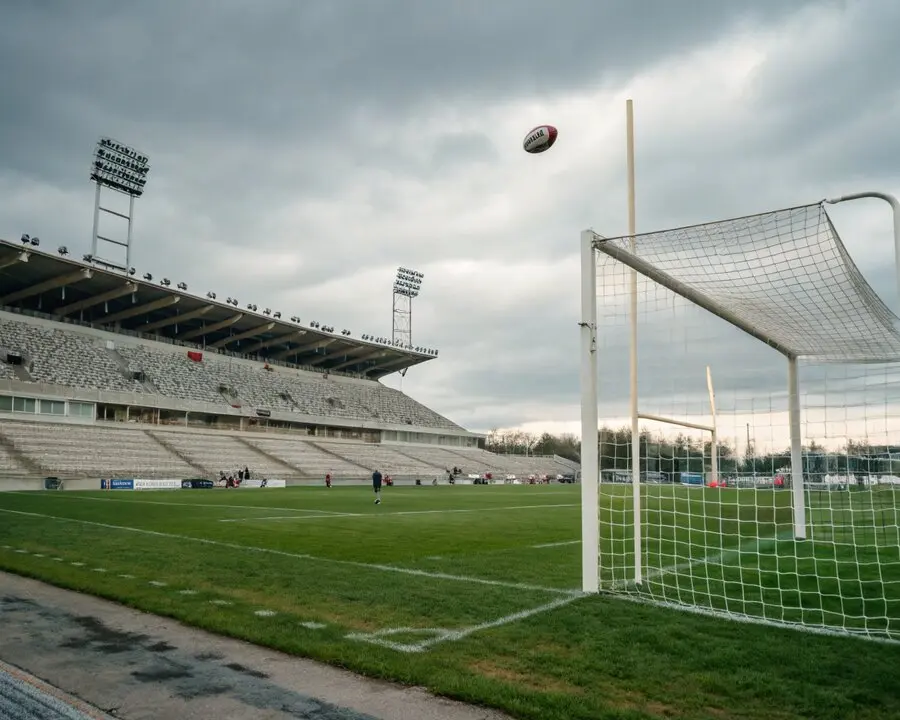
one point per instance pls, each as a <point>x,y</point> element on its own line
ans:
<point>759,391</point>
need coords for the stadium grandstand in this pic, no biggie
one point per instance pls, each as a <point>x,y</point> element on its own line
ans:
<point>105,374</point>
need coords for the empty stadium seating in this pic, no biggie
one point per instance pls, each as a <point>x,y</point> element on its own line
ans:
<point>94,451</point>
<point>130,450</point>
<point>68,356</point>
<point>65,358</point>
<point>312,460</point>
<point>224,453</point>
<point>387,458</point>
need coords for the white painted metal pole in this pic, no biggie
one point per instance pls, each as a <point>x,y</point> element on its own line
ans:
<point>96,221</point>
<point>130,232</point>
<point>799,496</point>
<point>633,360</point>
<point>714,446</point>
<point>590,460</point>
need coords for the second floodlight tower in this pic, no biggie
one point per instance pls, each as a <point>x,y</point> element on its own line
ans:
<point>121,168</point>
<point>407,285</point>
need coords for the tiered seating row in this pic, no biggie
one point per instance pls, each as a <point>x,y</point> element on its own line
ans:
<point>91,451</point>
<point>109,451</point>
<point>385,458</point>
<point>225,453</point>
<point>66,358</point>
<point>312,460</point>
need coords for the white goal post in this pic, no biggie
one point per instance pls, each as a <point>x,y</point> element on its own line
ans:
<point>766,499</point>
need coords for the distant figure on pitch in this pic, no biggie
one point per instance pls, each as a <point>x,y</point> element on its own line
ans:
<point>328,480</point>
<point>376,486</point>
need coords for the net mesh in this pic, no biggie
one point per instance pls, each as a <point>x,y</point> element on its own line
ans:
<point>725,544</point>
<point>784,273</point>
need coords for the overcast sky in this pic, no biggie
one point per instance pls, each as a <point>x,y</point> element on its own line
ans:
<point>301,151</point>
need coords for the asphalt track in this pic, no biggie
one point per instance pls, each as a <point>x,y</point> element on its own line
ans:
<point>98,660</point>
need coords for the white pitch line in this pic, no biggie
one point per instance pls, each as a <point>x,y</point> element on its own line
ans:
<point>376,514</point>
<point>302,556</point>
<point>440,635</point>
<point>556,544</point>
<point>290,517</point>
<point>267,508</point>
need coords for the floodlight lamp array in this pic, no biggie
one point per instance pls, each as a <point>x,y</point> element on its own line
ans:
<point>398,344</point>
<point>120,167</point>
<point>408,282</point>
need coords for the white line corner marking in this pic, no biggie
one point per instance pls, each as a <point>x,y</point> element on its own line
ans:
<point>439,635</point>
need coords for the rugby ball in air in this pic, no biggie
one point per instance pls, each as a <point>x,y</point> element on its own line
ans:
<point>540,139</point>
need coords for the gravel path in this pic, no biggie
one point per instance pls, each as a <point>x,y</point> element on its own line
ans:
<point>136,666</point>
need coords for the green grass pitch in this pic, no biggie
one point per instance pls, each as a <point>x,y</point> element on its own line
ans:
<point>472,591</point>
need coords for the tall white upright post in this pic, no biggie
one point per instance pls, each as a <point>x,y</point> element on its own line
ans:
<point>590,460</point>
<point>633,360</point>
<point>799,497</point>
<point>714,446</point>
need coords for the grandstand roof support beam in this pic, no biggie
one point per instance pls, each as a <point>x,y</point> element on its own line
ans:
<point>302,349</point>
<point>297,334</point>
<point>59,281</point>
<point>141,309</point>
<point>222,324</point>
<point>17,258</point>
<point>80,305</point>
<point>175,319</point>
<point>388,363</point>
<point>360,359</point>
<point>252,332</point>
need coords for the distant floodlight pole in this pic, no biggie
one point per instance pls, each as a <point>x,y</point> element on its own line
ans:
<point>895,206</point>
<point>121,168</point>
<point>407,285</point>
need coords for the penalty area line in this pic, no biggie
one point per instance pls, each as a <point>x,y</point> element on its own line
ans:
<point>303,556</point>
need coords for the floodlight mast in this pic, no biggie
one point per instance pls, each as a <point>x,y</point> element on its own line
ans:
<point>407,285</point>
<point>118,167</point>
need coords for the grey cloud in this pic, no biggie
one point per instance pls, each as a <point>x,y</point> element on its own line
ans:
<point>205,66</point>
<point>247,111</point>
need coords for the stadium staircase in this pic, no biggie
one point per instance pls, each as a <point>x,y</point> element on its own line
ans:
<point>271,458</point>
<point>176,452</point>
<point>127,372</point>
<point>21,373</point>
<point>325,449</point>
<point>230,395</point>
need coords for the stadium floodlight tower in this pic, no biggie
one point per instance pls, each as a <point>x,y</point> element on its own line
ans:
<point>407,285</point>
<point>123,169</point>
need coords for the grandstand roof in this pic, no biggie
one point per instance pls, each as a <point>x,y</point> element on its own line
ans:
<point>68,289</point>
